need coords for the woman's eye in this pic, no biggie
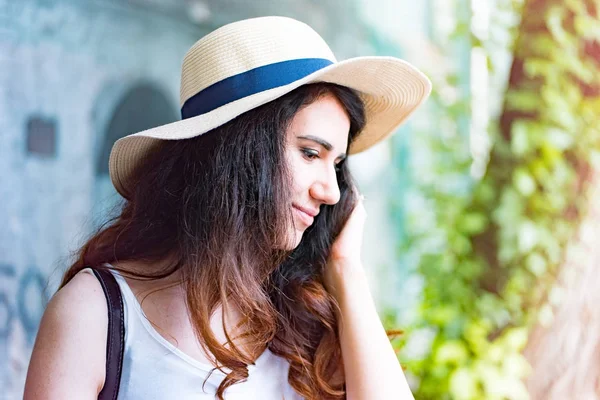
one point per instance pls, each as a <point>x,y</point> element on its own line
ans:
<point>310,154</point>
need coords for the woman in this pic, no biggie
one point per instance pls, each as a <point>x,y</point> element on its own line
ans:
<point>237,250</point>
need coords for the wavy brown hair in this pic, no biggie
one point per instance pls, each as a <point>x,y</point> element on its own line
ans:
<point>217,206</point>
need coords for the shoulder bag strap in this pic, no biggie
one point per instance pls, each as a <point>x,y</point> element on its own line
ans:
<point>116,334</point>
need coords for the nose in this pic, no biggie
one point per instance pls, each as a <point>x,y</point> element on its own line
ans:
<point>325,188</point>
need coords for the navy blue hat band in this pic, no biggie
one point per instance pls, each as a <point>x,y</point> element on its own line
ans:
<point>250,82</point>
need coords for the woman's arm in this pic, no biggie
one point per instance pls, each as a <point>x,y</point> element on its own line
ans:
<point>371,367</point>
<point>69,355</point>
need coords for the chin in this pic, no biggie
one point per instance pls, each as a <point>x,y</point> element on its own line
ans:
<point>297,243</point>
<point>294,242</point>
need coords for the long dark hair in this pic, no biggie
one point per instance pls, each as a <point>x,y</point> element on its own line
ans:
<point>216,205</point>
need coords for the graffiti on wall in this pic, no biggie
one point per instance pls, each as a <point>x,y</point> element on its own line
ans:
<point>23,298</point>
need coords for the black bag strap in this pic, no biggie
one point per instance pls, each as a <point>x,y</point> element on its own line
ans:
<point>115,343</point>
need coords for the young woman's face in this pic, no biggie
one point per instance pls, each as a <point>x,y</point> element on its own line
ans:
<point>317,139</point>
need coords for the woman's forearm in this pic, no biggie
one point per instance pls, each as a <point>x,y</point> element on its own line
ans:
<point>371,367</point>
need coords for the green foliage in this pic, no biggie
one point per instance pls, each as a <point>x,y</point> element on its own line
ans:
<point>492,253</point>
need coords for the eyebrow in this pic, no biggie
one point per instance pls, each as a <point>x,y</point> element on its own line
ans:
<point>328,146</point>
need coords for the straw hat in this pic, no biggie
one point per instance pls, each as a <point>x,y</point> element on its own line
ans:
<point>245,64</point>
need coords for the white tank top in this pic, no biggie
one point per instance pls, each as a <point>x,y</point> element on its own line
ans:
<point>154,369</point>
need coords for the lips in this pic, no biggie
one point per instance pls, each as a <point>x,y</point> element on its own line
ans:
<point>307,216</point>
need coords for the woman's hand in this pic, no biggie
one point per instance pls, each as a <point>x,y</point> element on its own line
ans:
<point>347,245</point>
<point>345,255</point>
<point>371,368</point>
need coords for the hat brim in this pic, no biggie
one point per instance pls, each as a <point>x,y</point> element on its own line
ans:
<point>391,89</point>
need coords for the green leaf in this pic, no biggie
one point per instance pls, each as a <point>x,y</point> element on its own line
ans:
<point>528,236</point>
<point>554,19</point>
<point>443,314</point>
<point>536,264</point>
<point>546,315</point>
<point>472,223</point>
<point>523,100</point>
<point>559,139</point>
<point>451,352</point>
<point>516,338</point>
<point>519,142</point>
<point>463,384</point>
<point>524,182</point>
<point>536,67</point>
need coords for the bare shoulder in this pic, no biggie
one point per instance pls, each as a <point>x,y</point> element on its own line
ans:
<point>69,355</point>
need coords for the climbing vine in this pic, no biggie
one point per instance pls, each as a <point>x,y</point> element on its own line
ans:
<point>489,249</point>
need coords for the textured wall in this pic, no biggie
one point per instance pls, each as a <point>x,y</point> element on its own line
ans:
<point>65,65</point>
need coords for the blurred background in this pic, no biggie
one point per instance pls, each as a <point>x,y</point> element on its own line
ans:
<point>483,236</point>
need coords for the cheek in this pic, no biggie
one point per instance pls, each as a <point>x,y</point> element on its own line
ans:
<point>302,175</point>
